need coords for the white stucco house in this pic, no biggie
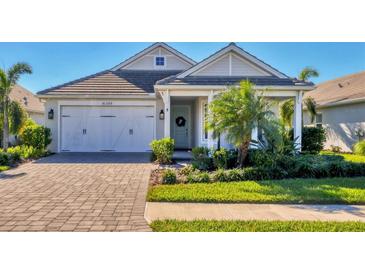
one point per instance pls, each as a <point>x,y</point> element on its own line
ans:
<point>341,110</point>
<point>159,92</point>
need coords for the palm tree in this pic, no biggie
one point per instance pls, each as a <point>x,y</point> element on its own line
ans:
<point>308,73</point>
<point>311,106</point>
<point>8,79</point>
<point>287,107</point>
<point>237,112</point>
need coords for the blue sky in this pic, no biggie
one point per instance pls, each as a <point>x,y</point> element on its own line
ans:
<point>56,63</point>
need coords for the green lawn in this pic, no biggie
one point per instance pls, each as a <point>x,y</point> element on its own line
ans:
<point>316,191</point>
<point>256,226</point>
<point>3,168</point>
<point>347,156</point>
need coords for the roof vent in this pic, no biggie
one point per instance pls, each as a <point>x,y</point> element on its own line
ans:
<point>340,85</point>
<point>25,99</point>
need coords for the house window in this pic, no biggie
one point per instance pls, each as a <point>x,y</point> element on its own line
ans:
<point>205,117</point>
<point>160,61</point>
<point>319,120</point>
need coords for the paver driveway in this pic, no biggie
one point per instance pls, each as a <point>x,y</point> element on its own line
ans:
<point>76,192</point>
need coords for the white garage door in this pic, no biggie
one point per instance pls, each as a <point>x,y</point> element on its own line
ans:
<point>120,129</point>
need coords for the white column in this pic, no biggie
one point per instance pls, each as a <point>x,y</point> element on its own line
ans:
<point>255,135</point>
<point>297,123</point>
<point>166,100</point>
<point>211,143</point>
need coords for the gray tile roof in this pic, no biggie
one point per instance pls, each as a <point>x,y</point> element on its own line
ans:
<point>120,81</point>
<point>230,80</point>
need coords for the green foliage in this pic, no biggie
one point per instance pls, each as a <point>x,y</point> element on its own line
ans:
<point>359,148</point>
<point>186,170</point>
<point>26,152</point>
<point>277,139</point>
<point>201,158</point>
<point>163,150</point>
<point>255,226</point>
<point>313,139</point>
<point>169,177</point>
<point>8,79</point>
<point>35,135</point>
<point>17,117</point>
<point>220,158</point>
<point>3,168</point>
<point>287,112</point>
<point>295,191</point>
<point>198,177</point>
<point>311,106</point>
<point>236,113</point>
<point>307,73</point>
<point>4,159</point>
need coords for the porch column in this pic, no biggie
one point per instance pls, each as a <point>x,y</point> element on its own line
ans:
<point>210,143</point>
<point>297,123</point>
<point>166,100</point>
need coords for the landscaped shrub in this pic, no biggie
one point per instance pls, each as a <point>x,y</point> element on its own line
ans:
<point>313,139</point>
<point>359,148</point>
<point>169,177</point>
<point>163,150</point>
<point>25,152</point>
<point>201,159</point>
<point>186,170</point>
<point>4,159</point>
<point>15,153</point>
<point>39,137</point>
<point>198,177</point>
<point>220,158</point>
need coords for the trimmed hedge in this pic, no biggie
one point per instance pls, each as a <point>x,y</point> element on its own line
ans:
<point>162,150</point>
<point>313,139</point>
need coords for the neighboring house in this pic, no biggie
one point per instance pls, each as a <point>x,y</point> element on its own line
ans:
<point>156,93</point>
<point>31,103</point>
<point>341,110</point>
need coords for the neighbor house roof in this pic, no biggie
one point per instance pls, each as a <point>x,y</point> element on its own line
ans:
<point>26,99</point>
<point>231,80</point>
<point>343,90</point>
<point>120,81</point>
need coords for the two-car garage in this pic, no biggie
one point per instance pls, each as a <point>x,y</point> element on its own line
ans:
<point>106,128</point>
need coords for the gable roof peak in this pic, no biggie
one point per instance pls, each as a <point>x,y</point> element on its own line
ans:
<point>151,48</point>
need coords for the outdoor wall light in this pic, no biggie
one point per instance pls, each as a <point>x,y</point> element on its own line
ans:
<point>162,115</point>
<point>50,114</point>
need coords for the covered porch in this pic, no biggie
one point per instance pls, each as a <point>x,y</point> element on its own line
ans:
<point>185,111</point>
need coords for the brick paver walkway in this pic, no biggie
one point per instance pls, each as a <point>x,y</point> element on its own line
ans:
<point>76,192</point>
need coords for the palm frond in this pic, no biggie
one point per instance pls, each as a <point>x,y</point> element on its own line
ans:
<point>287,112</point>
<point>307,73</point>
<point>311,106</point>
<point>15,71</point>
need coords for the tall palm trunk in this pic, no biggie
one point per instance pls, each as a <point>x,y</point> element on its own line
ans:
<point>242,152</point>
<point>5,124</point>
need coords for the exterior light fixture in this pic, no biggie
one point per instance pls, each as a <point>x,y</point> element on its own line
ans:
<point>162,115</point>
<point>50,114</point>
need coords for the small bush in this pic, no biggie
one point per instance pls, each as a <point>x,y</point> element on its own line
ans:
<point>15,153</point>
<point>169,177</point>
<point>4,159</point>
<point>186,170</point>
<point>198,177</point>
<point>201,159</point>
<point>220,158</point>
<point>163,150</point>
<point>313,139</point>
<point>359,148</point>
<point>34,135</point>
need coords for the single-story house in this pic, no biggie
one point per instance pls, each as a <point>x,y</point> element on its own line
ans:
<point>31,103</point>
<point>341,110</point>
<point>159,92</point>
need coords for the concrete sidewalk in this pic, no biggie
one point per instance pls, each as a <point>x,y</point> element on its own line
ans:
<point>194,211</point>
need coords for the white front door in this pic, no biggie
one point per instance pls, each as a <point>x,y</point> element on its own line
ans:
<point>181,126</point>
<point>121,129</point>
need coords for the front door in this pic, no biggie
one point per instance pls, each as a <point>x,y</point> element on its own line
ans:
<point>181,126</point>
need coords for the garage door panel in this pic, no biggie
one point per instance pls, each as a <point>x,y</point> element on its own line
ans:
<point>122,129</point>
